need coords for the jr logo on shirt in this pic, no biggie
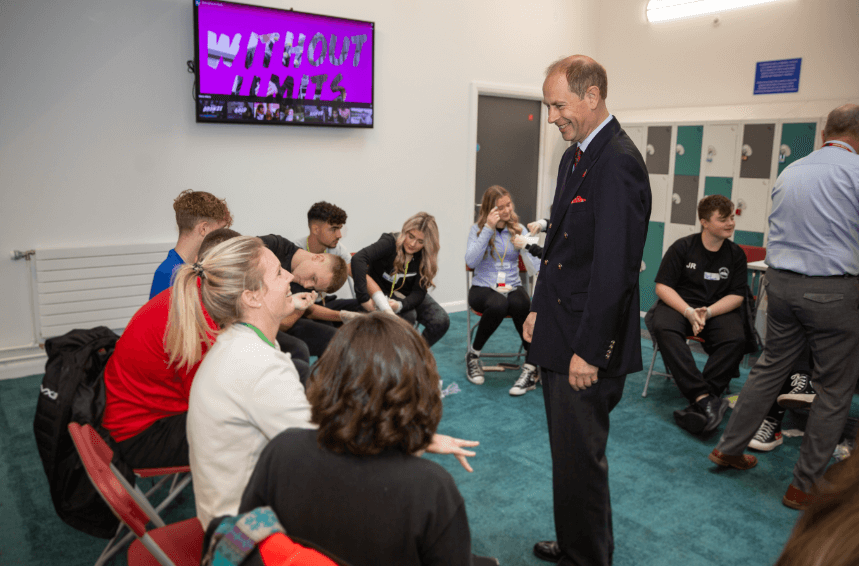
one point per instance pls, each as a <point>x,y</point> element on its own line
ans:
<point>690,265</point>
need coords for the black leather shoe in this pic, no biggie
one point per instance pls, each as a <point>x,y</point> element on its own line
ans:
<point>714,407</point>
<point>692,419</point>
<point>547,550</point>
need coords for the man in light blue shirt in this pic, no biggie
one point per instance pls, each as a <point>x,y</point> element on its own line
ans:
<point>813,290</point>
<point>197,214</point>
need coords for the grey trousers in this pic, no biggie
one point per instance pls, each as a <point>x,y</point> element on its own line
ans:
<point>822,312</point>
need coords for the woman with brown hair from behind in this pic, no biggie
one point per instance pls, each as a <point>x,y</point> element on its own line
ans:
<point>356,487</point>
<point>826,533</point>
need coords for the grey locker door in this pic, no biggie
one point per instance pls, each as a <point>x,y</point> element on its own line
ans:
<point>508,150</point>
<point>657,154</point>
<point>759,139</point>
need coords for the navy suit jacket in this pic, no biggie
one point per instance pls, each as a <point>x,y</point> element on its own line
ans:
<point>586,297</point>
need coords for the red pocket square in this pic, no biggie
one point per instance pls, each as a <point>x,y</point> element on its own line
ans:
<point>578,200</point>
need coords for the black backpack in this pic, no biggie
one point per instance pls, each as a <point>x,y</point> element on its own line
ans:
<point>72,390</point>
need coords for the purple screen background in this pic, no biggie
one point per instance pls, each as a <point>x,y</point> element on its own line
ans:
<point>229,19</point>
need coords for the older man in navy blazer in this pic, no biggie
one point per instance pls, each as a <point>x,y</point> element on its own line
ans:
<point>584,322</point>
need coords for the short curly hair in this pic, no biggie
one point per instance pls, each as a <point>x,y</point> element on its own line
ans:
<point>375,387</point>
<point>193,207</point>
<point>326,212</point>
<point>715,203</point>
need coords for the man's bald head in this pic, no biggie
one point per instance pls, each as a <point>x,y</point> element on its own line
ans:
<point>843,123</point>
<point>582,72</point>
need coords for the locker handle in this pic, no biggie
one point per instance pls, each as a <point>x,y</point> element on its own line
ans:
<point>741,206</point>
<point>711,152</point>
<point>679,149</point>
<point>650,149</point>
<point>747,151</point>
<point>783,152</point>
<point>643,266</point>
<point>675,198</point>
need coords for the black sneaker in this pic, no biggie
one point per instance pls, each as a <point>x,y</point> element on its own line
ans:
<point>473,371</point>
<point>768,436</point>
<point>714,407</point>
<point>801,395</point>
<point>527,382</point>
<point>691,419</point>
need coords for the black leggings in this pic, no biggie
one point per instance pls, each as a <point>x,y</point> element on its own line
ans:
<point>494,307</point>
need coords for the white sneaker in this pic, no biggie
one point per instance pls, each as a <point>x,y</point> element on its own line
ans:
<point>473,370</point>
<point>527,382</point>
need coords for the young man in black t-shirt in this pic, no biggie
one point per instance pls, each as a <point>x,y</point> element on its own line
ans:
<point>701,284</point>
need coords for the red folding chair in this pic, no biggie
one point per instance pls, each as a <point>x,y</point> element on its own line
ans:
<point>178,544</point>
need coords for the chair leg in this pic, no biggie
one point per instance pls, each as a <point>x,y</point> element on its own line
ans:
<point>650,369</point>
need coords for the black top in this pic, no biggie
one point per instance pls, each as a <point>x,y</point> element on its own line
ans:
<point>702,277</point>
<point>377,261</point>
<point>391,508</point>
<point>284,250</point>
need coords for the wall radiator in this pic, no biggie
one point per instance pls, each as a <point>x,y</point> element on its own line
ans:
<point>93,286</point>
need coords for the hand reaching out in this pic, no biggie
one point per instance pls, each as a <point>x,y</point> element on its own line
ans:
<point>443,444</point>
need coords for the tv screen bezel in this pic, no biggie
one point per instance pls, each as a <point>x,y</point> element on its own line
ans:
<point>242,98</point>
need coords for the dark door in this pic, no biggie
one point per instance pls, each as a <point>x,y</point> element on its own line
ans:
<point>508,149</point>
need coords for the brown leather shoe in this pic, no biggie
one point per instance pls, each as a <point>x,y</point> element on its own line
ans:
<point>797,499</point>
<point>547,550</point>
<point>741,462</point>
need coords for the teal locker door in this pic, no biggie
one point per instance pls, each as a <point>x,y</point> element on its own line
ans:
<point>688,160</point>
<point>651,260</point>
<point>718,186</point>
<point>797,140</point>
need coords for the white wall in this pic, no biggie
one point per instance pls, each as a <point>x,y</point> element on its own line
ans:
<point>97,131</point>
<point>691,62</point>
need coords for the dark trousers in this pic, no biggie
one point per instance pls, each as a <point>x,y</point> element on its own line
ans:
<point>578,434</point>
<point>163,444</point>
<point>822,312</point>
<point>724,342</point>
<point>494,306</point>
<point>431,316</point>
<point>313,333</point>
<point>300,354</point>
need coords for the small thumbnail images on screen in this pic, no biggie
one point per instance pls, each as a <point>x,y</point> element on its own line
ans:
<point>284,112</point>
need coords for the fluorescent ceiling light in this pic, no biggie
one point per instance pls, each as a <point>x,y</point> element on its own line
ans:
<point>663,10</point>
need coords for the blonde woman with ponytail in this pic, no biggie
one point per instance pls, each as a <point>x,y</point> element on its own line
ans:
<point>395,273</point>
<point>246,390</point>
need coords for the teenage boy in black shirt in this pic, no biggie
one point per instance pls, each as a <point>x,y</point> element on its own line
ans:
<point>701,284</point>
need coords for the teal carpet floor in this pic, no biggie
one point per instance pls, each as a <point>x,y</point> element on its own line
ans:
<point>671,505</point>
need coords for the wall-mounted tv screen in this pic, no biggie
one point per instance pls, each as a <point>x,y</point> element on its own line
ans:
<point>257,65</point>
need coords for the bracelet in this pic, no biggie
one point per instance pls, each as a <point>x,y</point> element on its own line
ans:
<point>709,313</point>
<point>687,309</point>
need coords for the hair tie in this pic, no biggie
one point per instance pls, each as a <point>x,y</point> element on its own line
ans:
<point>198,269</point>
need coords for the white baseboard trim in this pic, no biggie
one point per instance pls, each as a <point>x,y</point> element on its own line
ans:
<point>22,363</point>
<point>454,306</point>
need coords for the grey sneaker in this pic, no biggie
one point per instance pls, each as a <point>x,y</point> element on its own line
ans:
<point>527,382</point>
<point>801,395</point>
<point>473,371</point>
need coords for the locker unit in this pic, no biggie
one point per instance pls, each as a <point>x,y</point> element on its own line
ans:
<point>687,162</point>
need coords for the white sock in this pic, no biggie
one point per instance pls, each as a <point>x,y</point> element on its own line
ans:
<point>529,366</point>
<point>473,351</point>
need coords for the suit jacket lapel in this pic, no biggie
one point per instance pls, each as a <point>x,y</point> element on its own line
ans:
<point>573,179</point>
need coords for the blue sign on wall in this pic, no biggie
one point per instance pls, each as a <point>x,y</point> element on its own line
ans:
<point>774,77</point>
